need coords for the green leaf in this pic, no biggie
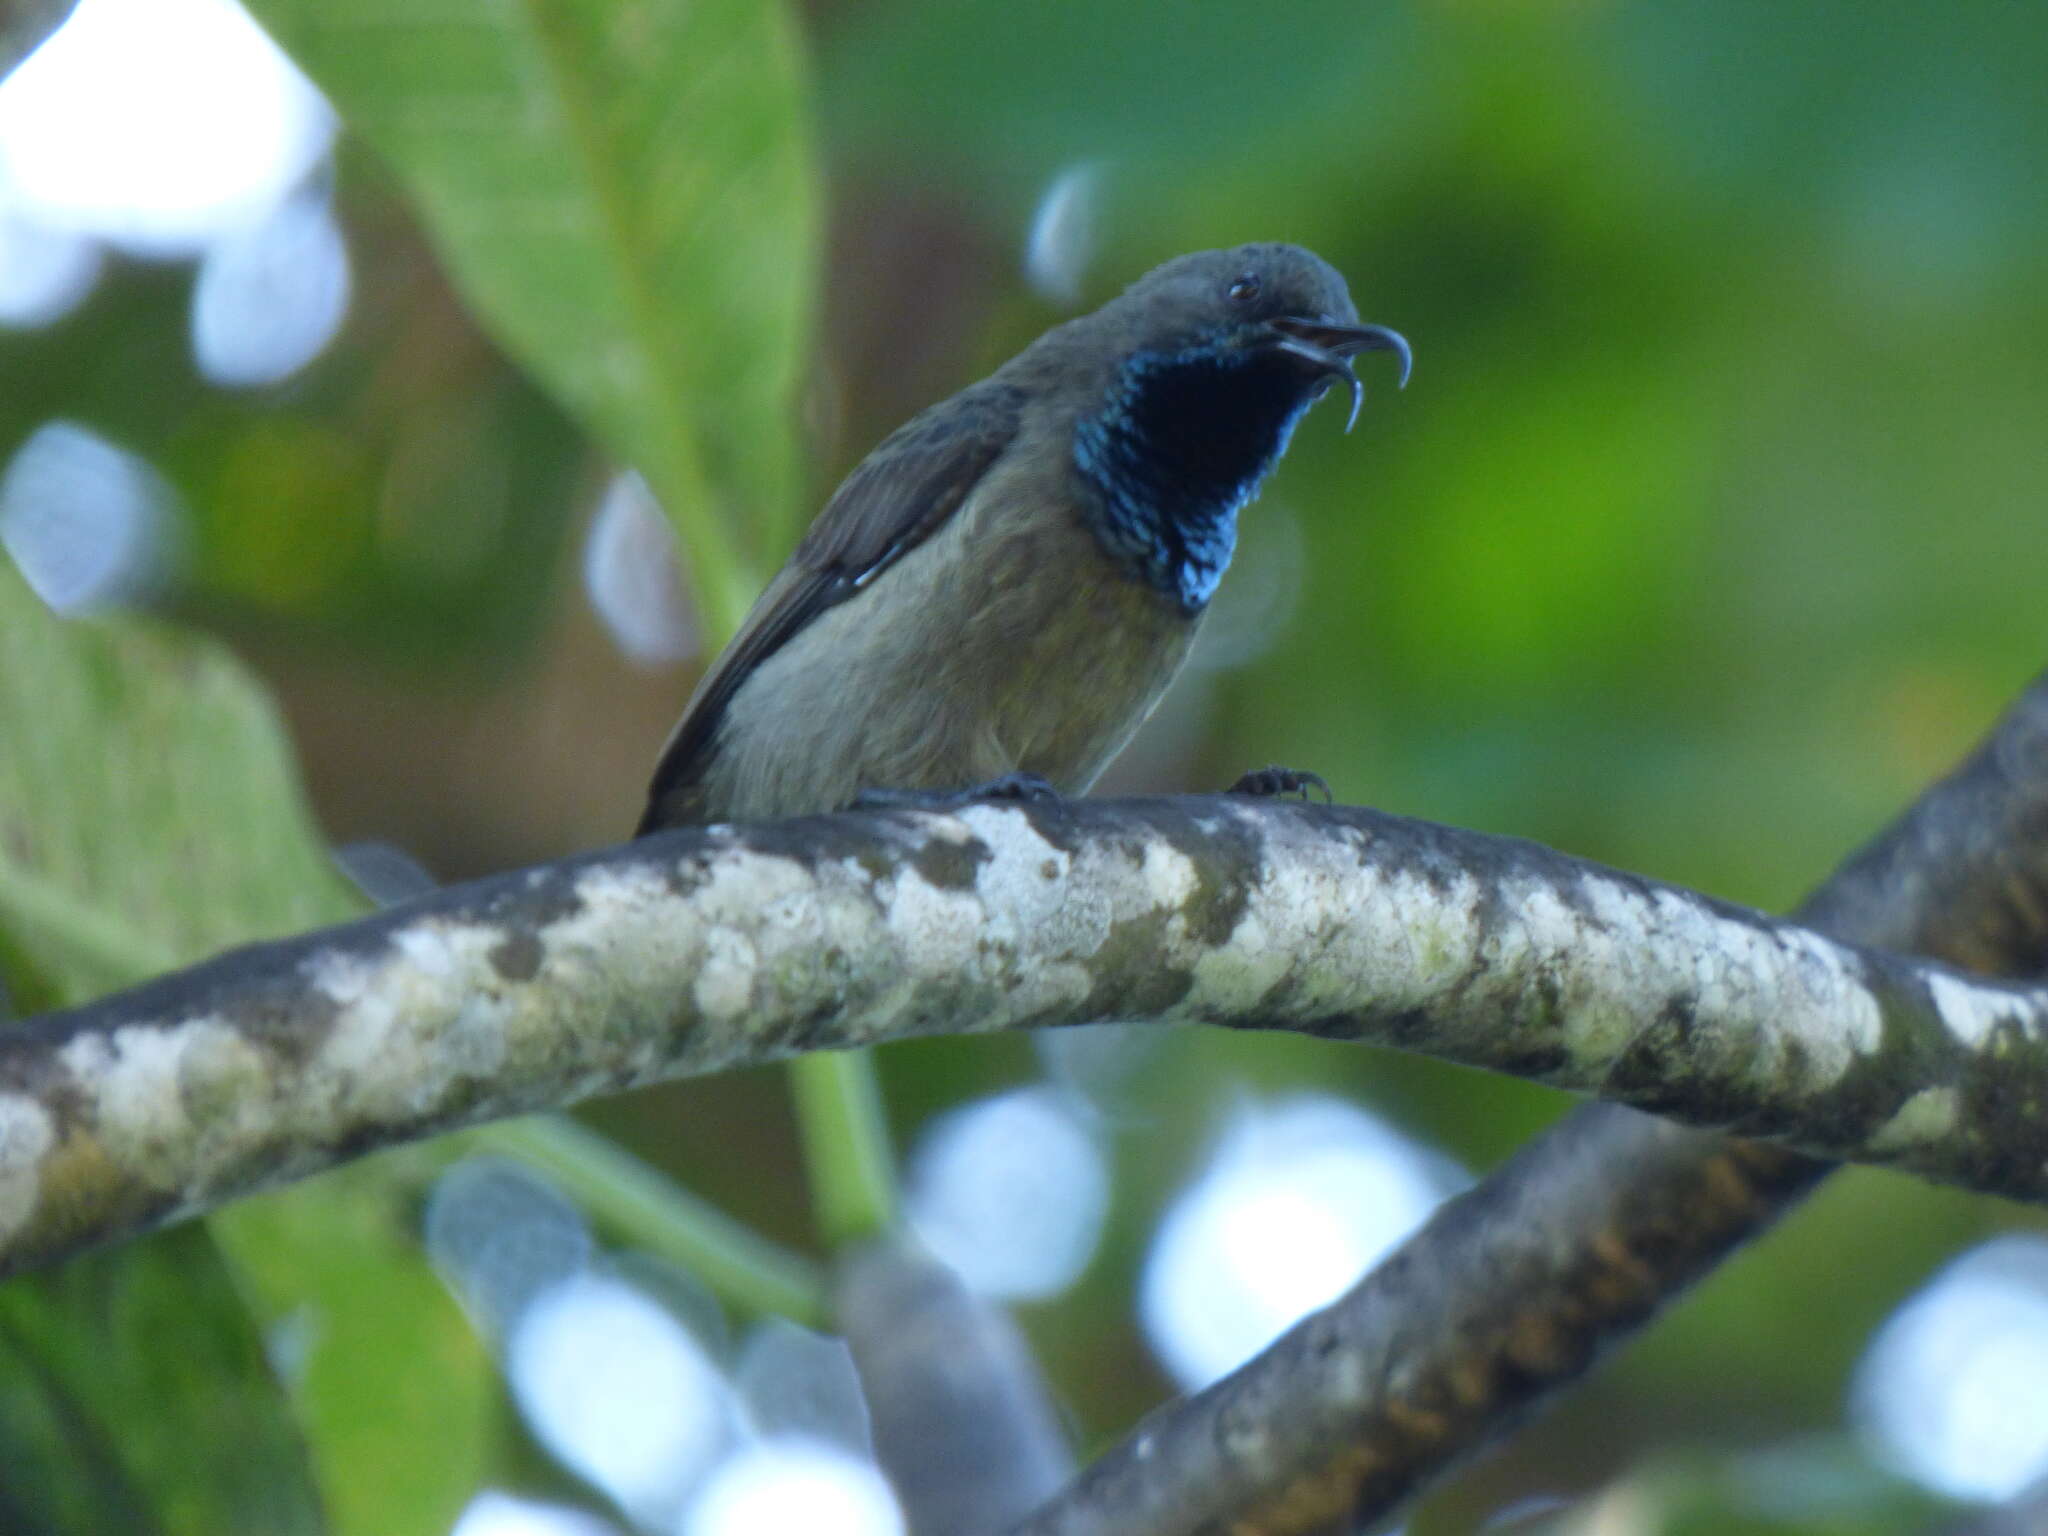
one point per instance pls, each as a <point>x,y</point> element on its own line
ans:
<point>623,190</point>
<point>632,1200</point>
<point>396,1391</point>
<point>148,810</point>
<point>149,814</point>
<point>134,1396</point>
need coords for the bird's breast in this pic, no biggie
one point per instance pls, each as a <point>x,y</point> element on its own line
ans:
<point>1008,641</point>
<point>1078,652</point>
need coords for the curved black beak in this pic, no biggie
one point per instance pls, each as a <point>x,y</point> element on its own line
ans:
<point>1330,346</point>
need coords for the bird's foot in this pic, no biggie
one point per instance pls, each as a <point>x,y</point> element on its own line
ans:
<point>1023,788</point>
<point>1273,782</point>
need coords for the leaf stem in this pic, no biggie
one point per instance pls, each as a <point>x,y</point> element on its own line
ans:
<point>119,952</point>
<point>846,1144</point>
<point>741,1266</point>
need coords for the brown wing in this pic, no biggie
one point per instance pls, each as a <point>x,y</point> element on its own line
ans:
<point>894,500</point>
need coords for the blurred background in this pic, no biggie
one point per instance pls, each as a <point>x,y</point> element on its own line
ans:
<point>1707,532</point>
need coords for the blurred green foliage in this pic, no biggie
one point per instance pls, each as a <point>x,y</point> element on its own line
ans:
<point>162,739</point>
<point>149,815</point>
<point>1707,532</point>
<point>623,189</point>
<point>109,1368</point>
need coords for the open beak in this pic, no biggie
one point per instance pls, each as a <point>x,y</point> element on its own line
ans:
<point>1330,347</point>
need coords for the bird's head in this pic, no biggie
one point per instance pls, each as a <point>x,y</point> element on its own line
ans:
<point>1269,301</point>
<point>1190,385</point>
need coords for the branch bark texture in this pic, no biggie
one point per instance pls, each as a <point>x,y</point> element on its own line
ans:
<point>705,949</point>
<point>1516,1289</point>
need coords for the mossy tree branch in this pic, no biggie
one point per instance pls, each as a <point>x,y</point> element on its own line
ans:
<point>705,949</point>
<point>1517,1288</point>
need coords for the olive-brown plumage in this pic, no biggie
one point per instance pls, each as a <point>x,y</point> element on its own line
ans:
<point>1010,580</point>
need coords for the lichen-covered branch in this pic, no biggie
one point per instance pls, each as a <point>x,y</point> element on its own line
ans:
<point>1507,1293</point>
<point>1515,1289</point>
<point>711,948</point>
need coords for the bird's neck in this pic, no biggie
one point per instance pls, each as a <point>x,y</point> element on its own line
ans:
<point>1178,446</point>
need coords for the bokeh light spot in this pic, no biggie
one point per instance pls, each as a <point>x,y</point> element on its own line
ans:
<point>1062,242</point>
<point>1011,1193</point>
<point>270,297</point>
<point>90,525</point>
<point>1954,1389</point>
<point>157,124</point>
<point>492,1513</point>
<point>619,1392</point>
<point>1299,1200</point>
<point>633,576</point>
<point>792,1484</point>
<point>44,272</point>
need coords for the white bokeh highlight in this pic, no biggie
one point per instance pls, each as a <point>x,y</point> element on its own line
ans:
<point>1299,1200</point>
<point>1011,1193</point>
<point>90,525</point>
<point>612,1360</point>
<point>157,124</point>
<point>271,296</point>
<point>788,1483</point>
<point>1061,243</point>
<point>44,272</point>
<point>619,1393</point>
<point>1953,1391</point>
<point>492,1513</point>
<point>633,577</point>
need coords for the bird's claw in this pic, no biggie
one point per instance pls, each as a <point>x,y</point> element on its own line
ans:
<point>1024,788</point>
<point>1274,781</point>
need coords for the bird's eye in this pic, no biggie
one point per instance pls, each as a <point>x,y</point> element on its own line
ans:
<point>1245,288</point>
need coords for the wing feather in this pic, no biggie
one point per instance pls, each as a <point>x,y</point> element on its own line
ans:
<point>894,500</point>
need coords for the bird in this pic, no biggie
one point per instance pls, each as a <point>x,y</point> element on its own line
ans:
<point>996,597</point>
